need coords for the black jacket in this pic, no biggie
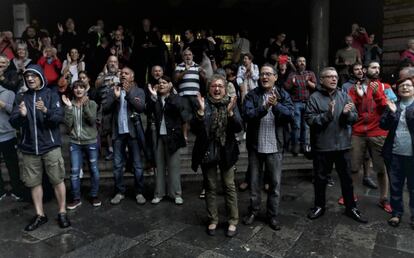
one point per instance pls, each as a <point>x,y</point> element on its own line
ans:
<point>40,132</point>
<point>389,121</point>
<point>229,154</point>
<point>329,132</point>
<point>172,112</point>
<point>254,111</point>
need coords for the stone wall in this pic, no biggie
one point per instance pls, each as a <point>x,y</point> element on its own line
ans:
<point>398,28</point>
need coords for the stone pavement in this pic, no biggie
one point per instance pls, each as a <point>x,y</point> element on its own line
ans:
<point>167,230</point>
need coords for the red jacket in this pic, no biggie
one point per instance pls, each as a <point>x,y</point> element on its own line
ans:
<point>52,70</point>
<point>370,108</point>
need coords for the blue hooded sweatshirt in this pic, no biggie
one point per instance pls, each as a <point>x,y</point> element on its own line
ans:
<point>40,131</point>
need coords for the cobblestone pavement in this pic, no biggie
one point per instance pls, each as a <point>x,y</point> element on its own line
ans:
<point>167,230</point>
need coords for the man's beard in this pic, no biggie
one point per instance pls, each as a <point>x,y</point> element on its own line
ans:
<point>372,76</point>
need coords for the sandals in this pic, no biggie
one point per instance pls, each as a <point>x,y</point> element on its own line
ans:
<point>394,221</point>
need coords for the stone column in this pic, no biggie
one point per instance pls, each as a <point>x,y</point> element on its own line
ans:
<point>319,34</point>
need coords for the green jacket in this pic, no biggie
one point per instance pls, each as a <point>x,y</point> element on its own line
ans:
<point>81,123</point>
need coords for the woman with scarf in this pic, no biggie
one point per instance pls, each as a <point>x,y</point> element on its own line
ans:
<point>216,122</point>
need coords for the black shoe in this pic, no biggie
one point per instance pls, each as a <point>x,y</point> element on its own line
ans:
<point>316,212</point>
<point>231,233</point>
<point>211,232</point>
<point>249,219</point>
<point>394,221</point>
<point>63,220</point>
<point>356,215</point>
<point>274,223</point>
<point>110,156</point>
<point>368,182</point>
<point>295,150</point>
<point>36,222</point>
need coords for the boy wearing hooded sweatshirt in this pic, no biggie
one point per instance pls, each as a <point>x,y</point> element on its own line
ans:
<point>38,113</point>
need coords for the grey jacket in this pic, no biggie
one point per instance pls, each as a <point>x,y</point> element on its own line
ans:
<point>329,132</point>
<point>136,104</point>
<point>7,132</point>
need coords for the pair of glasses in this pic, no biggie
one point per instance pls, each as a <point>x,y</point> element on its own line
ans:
<point>331,76</point>
<point>266,74</point>
<point>27,76</point>
<point>405,85</point>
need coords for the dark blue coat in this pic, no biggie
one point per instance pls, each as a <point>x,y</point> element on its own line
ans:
<point>389,121</point>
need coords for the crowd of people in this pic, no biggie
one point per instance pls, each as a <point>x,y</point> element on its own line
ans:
<point>138,105</point>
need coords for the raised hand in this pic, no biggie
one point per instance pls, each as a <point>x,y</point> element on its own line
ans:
<point>84,100</point>
<point>60,28</point>
<point>347,108</point>
<point>41,105</point>
<point>117,91</point>
<point>358,89</point>
<point>232,104</point>
<point>66,101</point>
<point>127,86</point>
<point>271,100</point>
<point>374,86</point>
<point>152,90</point>
<point>201,103</point>
<point>332,106</point>
<point>22,109</point>
<point>391,105</point>
<point>68,58</point>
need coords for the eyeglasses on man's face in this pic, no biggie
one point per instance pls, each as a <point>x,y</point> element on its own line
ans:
<point>266,74</point>
<point>330,76</point>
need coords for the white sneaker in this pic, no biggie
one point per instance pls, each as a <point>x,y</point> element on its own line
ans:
<point>117,198</point>
<point>140,199</point>
<point>156,200</point>
<point>3,196</point>
<point>15,197</point>
<point>179,200</point>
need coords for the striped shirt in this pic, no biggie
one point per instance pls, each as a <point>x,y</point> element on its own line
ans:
<point>189,85</point>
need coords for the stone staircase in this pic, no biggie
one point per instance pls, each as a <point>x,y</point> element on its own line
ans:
<point>290,164</point>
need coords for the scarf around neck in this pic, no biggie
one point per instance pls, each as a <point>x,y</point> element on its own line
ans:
<point>219,114</point>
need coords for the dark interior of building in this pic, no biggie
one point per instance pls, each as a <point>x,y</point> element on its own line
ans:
<point>260,18</point>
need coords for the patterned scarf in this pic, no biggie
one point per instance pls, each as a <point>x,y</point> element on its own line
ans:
<point>219,119</point>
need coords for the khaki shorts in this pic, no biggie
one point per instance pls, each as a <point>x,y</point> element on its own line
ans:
<point>33,166</point>
<point>360,146</point>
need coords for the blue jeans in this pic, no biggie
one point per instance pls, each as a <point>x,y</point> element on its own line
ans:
<point>76,158</point>
<point>120,157</point>
<point>399,169</point>
<point>273,166</point>
<point>300,130</point>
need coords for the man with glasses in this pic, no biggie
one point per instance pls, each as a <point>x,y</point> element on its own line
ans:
<point>265,109</point>
<point>329,113</point>
<point>38,114</point>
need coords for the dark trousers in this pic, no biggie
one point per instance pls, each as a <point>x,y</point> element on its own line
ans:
<point>273,166</point>
<point>120,144</point>
<point>8,150</point>
<point>322,166</point>
<point>400,168</point>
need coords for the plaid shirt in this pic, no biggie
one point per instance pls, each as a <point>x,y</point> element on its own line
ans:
<point>298,87</point>
<point>267,132</point>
